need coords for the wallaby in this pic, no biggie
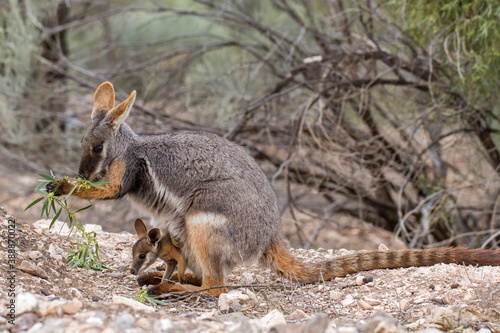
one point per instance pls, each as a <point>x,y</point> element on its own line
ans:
<point>151,246</point>
<point>212,196</point>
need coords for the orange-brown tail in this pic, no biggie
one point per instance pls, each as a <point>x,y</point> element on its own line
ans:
<point>283,262</point>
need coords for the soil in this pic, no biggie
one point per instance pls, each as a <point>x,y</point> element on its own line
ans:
<point>73,299</point>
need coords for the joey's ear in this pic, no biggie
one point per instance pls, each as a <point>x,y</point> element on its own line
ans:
<point>140,228</point>
<point>117,115</point>
<point>104,99</point>
<point>154,235</point>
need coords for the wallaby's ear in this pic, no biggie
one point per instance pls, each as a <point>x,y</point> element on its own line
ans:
<point>154,236</point>
<point>140,228</point>
<point>117,115</point>
<point>104,99</point>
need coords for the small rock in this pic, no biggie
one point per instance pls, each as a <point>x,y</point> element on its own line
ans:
<point>247,278</point>
<point>56,252</point>
<point>297,314</point>
<point>454,285</point>
<point>226,300</point>
<point>120,300</point>
<point>317,324</point>
<point>35,255</point>
<point>273,318</point>
<point>320,288</point>
<point>123,322</point>
<point>335,295</point>
<point>94,321</point>
<point>368,279</point>
<point>31,268</point>
<point>76,293</point>
<point>364,305</point>
<point>382,247</point>
<point>235,317</point>
<point>235,306</point>
<point>44,291</point>
<point>348,300</point>
<point>163,325</point>
<point>144,323</point>
<point>72,307</point>
<point>347,329</point>
<point>372,301</point>
<point>361,280</point>
<point>54,325</point>
<point>46,308</point>
<point>484,330</point>
<point>37,328</point>
<point>382,322</point>
<point>25,322</point>
<point>26,302</point>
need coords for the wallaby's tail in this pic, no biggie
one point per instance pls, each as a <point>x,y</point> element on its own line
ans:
<point>283,262</point>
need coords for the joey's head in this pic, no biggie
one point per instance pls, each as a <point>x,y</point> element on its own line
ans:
<point>106,137</point>
<point>146,249</point>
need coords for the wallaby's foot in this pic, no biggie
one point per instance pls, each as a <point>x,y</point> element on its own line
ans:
<point>149,279</point>
<point>168,287</point>
<point>60,187</point>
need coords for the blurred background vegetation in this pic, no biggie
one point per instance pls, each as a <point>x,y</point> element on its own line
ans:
<point>381,112</point>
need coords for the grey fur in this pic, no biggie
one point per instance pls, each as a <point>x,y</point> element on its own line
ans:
<point>171,175</point>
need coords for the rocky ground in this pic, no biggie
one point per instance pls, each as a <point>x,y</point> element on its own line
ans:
<point>50,296</point>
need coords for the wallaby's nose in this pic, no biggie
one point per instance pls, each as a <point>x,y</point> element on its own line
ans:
<point>132,271</point>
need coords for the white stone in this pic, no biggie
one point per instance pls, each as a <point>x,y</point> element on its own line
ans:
<point>46,308</point>
<point>372,301</point>
<point>348,300</point>
<point>247,278</point>
<point>36,328</point>
<point>94,321</point>
<point>26,302</point>
<point>273,318</point>
<point>162,325</point>
<point>35,255</point>
<point>335,295</point>
<point>364,305</point>
<point>382,247</point>
<point>227,299</point>
<point>120,300</point>
<point>56,252</point>
<point>347,329</point>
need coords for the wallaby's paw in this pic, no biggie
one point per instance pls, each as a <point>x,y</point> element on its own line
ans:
<point>215,292</point>
<point>59,188</point>
<point>163,288</point>
<point>149,279</point>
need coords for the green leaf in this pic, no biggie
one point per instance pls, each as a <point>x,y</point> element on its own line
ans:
<point>50,178</point>
<point>44,208</point>
<point>96,186</point>
<point>55,218</point>
<point>86,207</point>
<point>34,203</point>
<point>70,192</point>
<point>42,183</point>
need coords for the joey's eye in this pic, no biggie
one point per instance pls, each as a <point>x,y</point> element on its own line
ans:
<point>142,256</point>
<point>97,149</point>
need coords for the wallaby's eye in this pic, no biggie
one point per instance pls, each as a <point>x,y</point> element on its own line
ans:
<point>97,149</point>
<point>142,256</point>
